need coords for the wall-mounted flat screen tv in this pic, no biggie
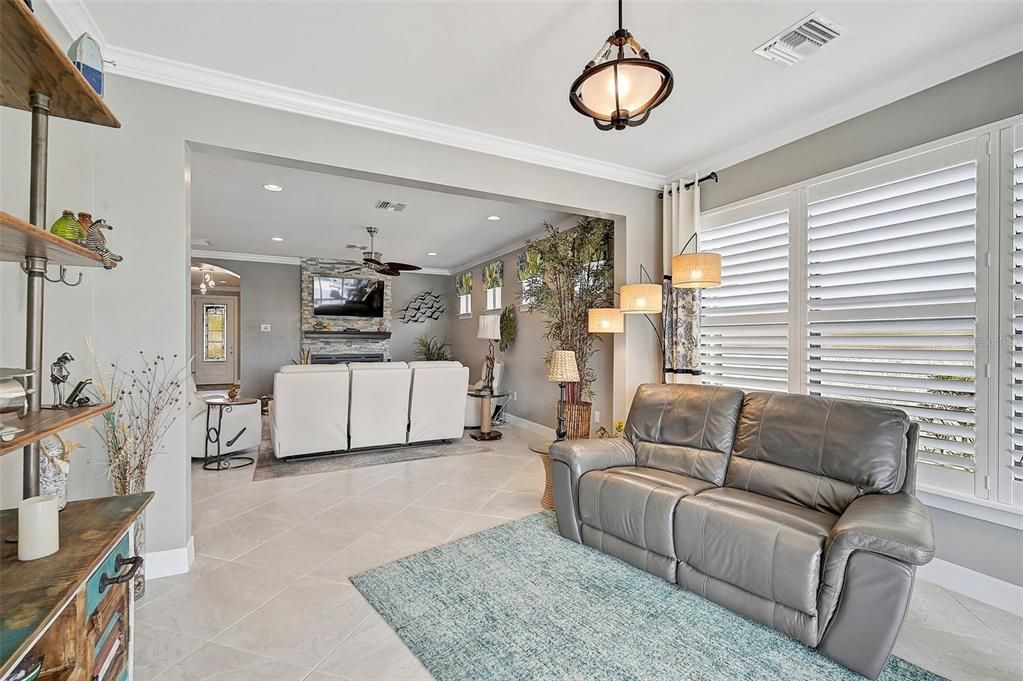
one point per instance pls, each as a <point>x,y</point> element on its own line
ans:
<point>347,297</point>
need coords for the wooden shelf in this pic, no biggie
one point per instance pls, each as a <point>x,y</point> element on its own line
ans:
<point>39,424</point>
<point>19,239</point>
<point>368,335</point>
<point>36,592</point>
<point>31,61</point>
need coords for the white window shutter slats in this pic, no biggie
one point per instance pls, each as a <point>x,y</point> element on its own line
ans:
<point>1016,396</point>
<point>744,335</point>
<point>892,301</point>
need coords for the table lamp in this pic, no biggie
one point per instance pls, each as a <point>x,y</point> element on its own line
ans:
<point>563,370</point>
<point>489,328</point>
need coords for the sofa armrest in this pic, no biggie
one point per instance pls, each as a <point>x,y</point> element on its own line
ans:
<point>583,456</point>
<point>894,525</point>
<point>570,460</point>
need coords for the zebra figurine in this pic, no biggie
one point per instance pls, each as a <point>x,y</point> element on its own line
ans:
<point>96,242</point>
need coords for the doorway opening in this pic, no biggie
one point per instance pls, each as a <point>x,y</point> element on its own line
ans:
<point>216,323</point>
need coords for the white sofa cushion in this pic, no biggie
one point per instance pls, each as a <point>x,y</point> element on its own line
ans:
<point>379,404</point>
<point>310,412</point>
<point>437,408</point>
<point>379,366</point>
<point>311,368</point>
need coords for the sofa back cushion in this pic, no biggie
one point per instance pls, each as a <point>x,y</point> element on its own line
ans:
<point>818,452</point>
<point>685,429</point>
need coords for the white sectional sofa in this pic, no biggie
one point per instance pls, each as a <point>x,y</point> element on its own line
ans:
<point>322,408</point>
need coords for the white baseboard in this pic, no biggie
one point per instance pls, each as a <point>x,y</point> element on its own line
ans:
<point>531,426</point>
<point>170,562</point>
<point>978,586</point>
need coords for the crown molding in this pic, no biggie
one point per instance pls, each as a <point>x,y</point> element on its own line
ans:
<point>288,260</point>
<point>955,63</point>
<point>246,257</point>
<point>76,18</point>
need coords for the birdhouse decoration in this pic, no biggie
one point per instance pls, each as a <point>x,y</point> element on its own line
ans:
<point>85,55</point>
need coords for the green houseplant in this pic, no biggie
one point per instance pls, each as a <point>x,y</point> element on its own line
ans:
<point>432,349</point>
<point>571,271</point>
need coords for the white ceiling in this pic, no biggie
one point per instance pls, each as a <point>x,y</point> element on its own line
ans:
<point>318,213</point>
<point>503,68</point>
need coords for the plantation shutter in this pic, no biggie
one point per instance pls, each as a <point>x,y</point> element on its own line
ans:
<point>1016,396</point>
<point>892,296</point>
<point>744,331</point>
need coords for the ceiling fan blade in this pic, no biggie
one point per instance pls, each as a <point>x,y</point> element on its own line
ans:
<point>354,269</point>
<point>404,267</point>
<point>373,261</point>
<point>389,272</point>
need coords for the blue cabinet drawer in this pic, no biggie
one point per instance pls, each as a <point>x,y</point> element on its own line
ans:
<point>93,595</point>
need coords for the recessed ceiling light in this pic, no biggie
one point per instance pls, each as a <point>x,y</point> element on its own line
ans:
<point>273,187</point>
<point>493,218</point>
<point>223,281</point>
<point>431,253</point>
<point>277,238</point>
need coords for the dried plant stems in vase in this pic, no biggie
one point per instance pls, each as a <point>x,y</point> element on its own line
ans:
<point>147,398</point>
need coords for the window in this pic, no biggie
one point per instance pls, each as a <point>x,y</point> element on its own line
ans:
<point>744,330</point>
<point>898,281</point>
<point>892,298</point>
<point>463,289</point>
<point>529,264</point>
<point>493,282</point>
<point>1010,488</point>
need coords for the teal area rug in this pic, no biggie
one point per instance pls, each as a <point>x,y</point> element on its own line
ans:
<point>521,602</point>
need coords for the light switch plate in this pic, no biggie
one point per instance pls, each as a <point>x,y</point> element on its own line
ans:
<point>264,328</point>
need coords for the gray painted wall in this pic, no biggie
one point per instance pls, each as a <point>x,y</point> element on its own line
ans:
<point>983,96</point>
<point>976,98</point>
<point>403,334</point>
<point>269,295</point>
<point>525,372</point>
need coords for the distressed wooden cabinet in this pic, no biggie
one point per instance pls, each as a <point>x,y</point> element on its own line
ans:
<point>74,609</point>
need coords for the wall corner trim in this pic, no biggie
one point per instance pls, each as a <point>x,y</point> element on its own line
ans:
<point>531,426</point>
<point>170,562</point>
<point>978,586</point>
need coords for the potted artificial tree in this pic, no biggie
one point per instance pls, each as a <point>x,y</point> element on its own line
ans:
<point>572,270</point>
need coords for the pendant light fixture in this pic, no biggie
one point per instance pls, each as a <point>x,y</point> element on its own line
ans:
<point>619,92</point>
<point>605,320</point>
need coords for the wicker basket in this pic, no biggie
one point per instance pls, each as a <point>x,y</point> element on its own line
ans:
<point>577,420</point>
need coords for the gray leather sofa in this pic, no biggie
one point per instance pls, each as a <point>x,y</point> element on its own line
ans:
<point>795,511</point>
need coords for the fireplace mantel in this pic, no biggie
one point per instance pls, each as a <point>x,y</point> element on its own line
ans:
<point>368,335</point>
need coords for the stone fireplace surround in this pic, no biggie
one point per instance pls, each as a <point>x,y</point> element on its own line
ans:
<point>319,340</point>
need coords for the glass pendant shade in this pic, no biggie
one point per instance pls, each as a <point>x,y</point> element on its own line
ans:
<point>618,90</point>
<point>641,299</point>
<point>605,320</point>
<point>696,270</point>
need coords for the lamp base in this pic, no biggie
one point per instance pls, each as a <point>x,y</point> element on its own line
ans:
<point>492,435</point>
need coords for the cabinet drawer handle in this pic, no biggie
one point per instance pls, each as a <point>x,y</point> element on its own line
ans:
<point>119,563</point>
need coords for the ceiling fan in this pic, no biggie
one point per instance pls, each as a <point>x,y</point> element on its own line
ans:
<point>371,259</point>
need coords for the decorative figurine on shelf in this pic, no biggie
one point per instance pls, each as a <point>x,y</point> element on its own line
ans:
<point>96,242</point>
<point>59,375</point>
<point>76,398</point>
<point>67,227</point>
<point>85,55</point>
<point>232,393</point>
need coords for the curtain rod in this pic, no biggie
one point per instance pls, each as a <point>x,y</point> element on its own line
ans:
<point>689,185</point>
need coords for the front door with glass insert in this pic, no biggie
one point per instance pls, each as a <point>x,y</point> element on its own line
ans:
<point>215,339</point>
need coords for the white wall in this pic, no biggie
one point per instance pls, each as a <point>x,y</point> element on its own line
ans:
<point>140,175</point>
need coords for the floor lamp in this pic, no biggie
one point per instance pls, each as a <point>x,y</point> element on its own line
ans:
<point>563,369</point>
<point>490,329</point>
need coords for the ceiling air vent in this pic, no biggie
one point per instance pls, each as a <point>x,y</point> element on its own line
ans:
<point>801,40</point>
<point>392,206</point>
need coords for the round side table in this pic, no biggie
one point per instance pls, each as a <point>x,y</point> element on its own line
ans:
<point>543,449</point>
<point>486,411</point>
<point>219,461</point>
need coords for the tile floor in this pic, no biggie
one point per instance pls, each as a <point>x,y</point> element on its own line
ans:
<point>268,596</point>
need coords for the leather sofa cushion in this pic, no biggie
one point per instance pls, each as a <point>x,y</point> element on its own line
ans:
<point>769,548</point>
<point>692,426</point>
<point>635,504</point>
<point>819,452</point>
